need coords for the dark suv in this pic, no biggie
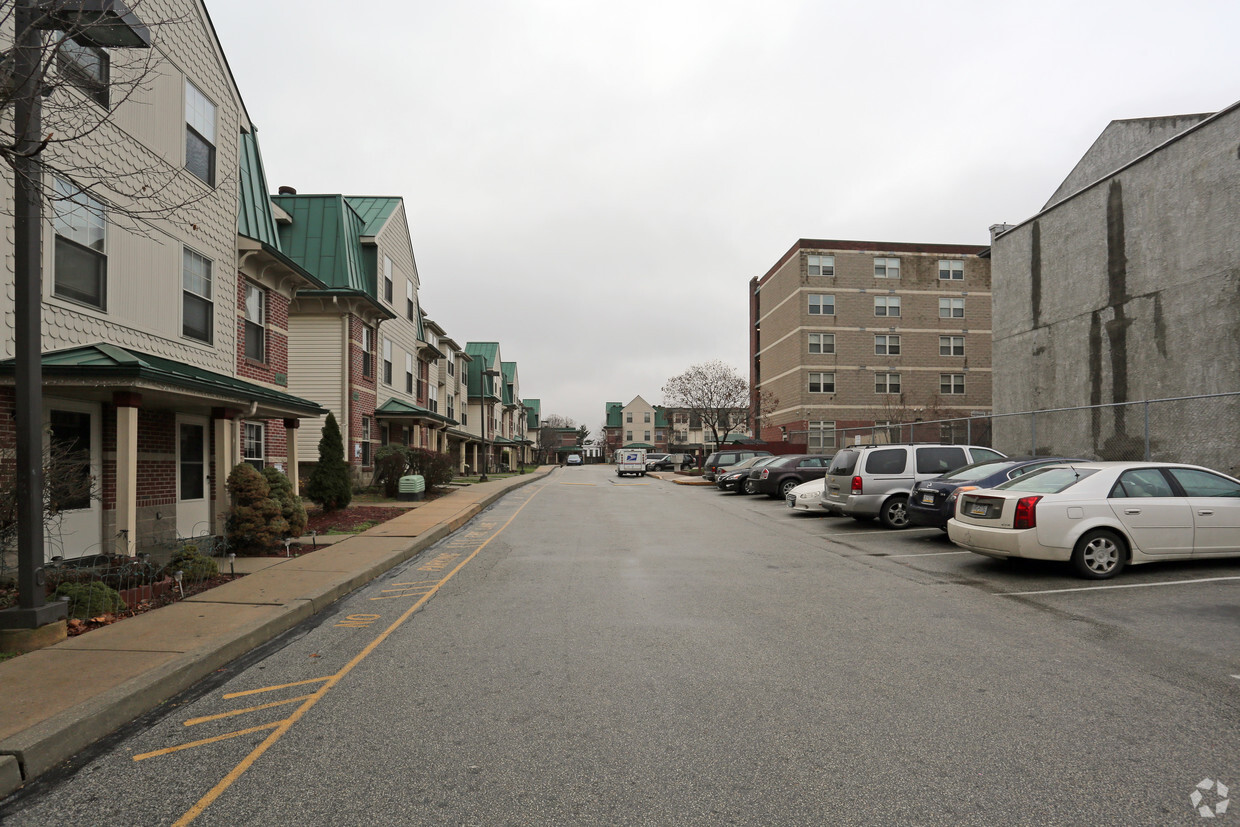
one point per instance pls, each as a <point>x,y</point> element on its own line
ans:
<point>777,478</point>
<point>722,459</point>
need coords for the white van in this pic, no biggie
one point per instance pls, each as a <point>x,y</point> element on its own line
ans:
<point>631,461</point>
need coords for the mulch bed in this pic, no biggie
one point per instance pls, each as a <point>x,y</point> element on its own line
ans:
<point>79,627</point>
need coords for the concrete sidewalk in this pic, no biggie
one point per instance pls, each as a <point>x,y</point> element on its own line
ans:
<point>60,699</point>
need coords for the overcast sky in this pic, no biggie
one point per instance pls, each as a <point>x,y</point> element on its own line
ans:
<point>593,184</point>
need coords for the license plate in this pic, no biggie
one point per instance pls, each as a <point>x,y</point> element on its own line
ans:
<point>928,499</point>
<point>978,510</point>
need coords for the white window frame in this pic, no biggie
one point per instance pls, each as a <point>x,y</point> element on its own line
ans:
<point>951,384</point>
<point>886,383</point>
<point>367,451</point>
<point>411,307</point>
<point>951,308</point>
<point>821,301</point>
<point>888,304</point>
<point>197,286</point>
<point>821,435</point>
<point>201,115</point>
<point>824,342</point>
<point>387,362</point>
<point>825,380</point>
<point>255,329</point>
<point>889,346</point>
<point>886,267</point>
<point>951,269</point>
<point>81,222</point>
<point>948,345</point>
<point>816,265</point>
<point>253,444</point>
<point>410,377</point>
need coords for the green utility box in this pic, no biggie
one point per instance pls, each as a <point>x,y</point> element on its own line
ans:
<point>412,487</point>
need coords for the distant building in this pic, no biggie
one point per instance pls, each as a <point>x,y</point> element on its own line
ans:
<point>846,334</point>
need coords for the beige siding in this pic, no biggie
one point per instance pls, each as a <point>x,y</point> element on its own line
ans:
<point>316,371</point>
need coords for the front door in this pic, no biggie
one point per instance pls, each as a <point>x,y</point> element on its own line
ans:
<point>193,503</point>
<point>73,440</point>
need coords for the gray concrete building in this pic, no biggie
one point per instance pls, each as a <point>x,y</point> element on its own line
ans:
<point>1124,288</point>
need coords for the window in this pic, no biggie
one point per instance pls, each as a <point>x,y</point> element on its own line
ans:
<point>197,309</point>
<point>951,383</point>
<point>252,444</point>
<point>1203,483</point>
<point>886,305</point>
<point>820,305</point>
<point>940,459</point>
<point>821,382</point>
<point>645,436</point>
<point>821,435</point>
<point>383,434</point>
<point>86,67</point>
<point>199,134</point>
<point>387,361</point>
<point>628,416</point>
<point>951,270</point>
<point>646,417</point>
<point>255,322</point>
<point>81,270</point>
<point>628,436</point>
<point>822,343</point>
<point>822,265</point>
<point>387,279</point>
<point>886,268</point>
<point>951,308</point>
<point>452,406</point>
<point>409,373</point>
<point>410,304</point>
<point>451,364</point>
<point>1142,482</point>
<point>951,346</point>
<point>365,442</point>
<point>368,355</point>
<point>887,345</point>
<point>886,383</point>
<point>70,436</point>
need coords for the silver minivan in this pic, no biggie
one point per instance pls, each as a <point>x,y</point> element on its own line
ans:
<point>868,481</point>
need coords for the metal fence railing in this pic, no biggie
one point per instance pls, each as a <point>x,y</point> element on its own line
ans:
<point>1202,430</point>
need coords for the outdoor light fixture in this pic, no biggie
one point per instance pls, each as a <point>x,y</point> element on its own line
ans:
<point>94,23</point>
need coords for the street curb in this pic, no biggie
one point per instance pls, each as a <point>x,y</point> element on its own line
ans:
<point>35,750</point>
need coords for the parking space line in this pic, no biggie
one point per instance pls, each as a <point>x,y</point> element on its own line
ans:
<point>863,533</point>
<point>925,554</point>
<point>1120,586</point>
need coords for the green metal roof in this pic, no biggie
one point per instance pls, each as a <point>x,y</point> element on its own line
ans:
<point>615,413</point>
<point>645,445</point>
<point>254,216</point>
<point>533,413</point>
<point>399,407</point>
<point>483,353</point>
<point>325,238</point>
<point>373,210</point>
<point>107,363</point>
<point>509,370</point>
<point>660,417</point>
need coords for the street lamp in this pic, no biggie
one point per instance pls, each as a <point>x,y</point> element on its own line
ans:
<point>486,416</point>
<point>92,23</point>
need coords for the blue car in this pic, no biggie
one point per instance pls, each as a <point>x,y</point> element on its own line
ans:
<point>933,503</point>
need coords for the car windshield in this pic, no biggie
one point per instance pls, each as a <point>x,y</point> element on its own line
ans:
<point>978,470</point>
<point>1048,480</point>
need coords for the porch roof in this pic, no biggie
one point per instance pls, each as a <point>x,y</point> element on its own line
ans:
<point>118,367</point>
<point>396,408</point>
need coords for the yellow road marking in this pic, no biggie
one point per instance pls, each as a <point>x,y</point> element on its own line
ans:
<point>236,712</point>
<point>577,483</point>
<point>232,695</point>
<point>193,744</point>
<point>417,583</point>
<point>281,727</point>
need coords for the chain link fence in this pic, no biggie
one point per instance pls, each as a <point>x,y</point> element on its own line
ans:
<point>1201,430</point>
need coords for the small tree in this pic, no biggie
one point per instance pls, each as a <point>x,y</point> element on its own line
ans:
<point>291,507</point>
<point>436,468</point>
<point>256,522</point>
<point>329,484</point>
<point>391,463</point>
<point>714,391</point>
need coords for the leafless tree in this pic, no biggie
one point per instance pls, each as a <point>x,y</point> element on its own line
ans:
<point>80,149</point>
<point>715,391</point>
<point>67,484</point>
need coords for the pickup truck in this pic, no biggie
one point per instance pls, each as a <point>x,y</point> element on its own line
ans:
<point>631,461</point>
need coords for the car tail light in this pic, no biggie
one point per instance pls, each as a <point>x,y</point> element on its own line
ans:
<point>766,472</point>
<point>1026,514</point>
<point>856,485</point>
<point>951,498</point>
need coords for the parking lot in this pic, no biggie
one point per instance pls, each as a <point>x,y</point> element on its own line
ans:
<point>1189,609</point>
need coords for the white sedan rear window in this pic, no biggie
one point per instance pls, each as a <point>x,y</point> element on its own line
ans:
<point>1048,480</point>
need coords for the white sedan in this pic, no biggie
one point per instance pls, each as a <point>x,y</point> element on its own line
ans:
<point>1101,516</point>
<point>807,496</point>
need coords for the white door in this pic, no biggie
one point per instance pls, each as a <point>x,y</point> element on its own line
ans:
<point>193,503</point>
<point>1158,521</point>
<point>74,438</point>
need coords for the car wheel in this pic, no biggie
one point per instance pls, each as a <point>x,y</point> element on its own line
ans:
<point>894,513</point>
<point>751,487</point>
<point>1099,554</point>
<point>786,486</point>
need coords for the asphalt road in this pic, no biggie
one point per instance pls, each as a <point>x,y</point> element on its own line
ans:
<point>596,650</point>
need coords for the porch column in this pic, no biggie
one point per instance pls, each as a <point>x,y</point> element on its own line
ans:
<point>290,439</point>
<point>225,458</point>
<point>127,405</point>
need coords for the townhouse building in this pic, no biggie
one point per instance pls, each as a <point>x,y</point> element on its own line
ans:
<point>147,322</point>
<point>636,425</point>
<point>484,403</point>
<point>846,334</point>
<point>449,372</point>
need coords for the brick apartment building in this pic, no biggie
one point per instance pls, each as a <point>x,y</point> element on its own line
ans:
<point>847,334</point>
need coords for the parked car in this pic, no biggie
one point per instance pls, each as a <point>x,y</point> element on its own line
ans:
<point>659,462</point>
<point>573,459</point>
<point>735,477</point>
<point>723,459</point>
<point>871,481</point>
<point>807,496</point>
<point>1101,516</point>
<point>934,501</point>
<point>776,479</point>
